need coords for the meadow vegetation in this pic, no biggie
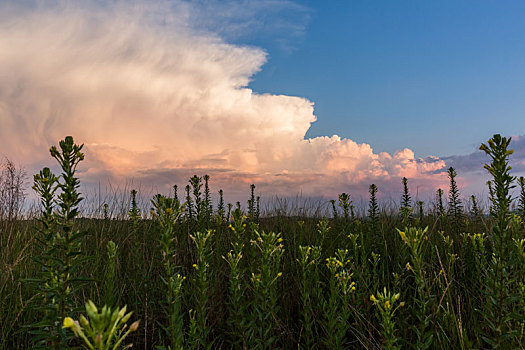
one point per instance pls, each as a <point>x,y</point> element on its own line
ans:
<point>201,275</point>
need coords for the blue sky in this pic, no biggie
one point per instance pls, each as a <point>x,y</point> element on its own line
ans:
<point>436,76</point>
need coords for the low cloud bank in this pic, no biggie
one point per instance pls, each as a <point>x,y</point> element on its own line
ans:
<point>474,162</point>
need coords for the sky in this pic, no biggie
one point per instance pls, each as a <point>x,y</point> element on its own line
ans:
<point>440,75</point>
<point>309,97</point>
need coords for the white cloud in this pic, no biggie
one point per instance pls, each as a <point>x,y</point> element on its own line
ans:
<point>156,97</point>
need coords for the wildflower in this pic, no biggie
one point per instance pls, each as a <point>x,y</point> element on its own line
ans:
<point>68,323</point>
<point>373,298</point>
<point>387,304</point>
<point>169,211</point>
<point>408,266</point>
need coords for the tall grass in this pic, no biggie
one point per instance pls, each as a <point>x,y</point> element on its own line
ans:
<point>200,275</point>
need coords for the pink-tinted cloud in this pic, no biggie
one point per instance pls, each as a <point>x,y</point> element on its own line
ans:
<point>156,97</point>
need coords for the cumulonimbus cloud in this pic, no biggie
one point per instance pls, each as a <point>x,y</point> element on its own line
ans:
<point>155,97</point>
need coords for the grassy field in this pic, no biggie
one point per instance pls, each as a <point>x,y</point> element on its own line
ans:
<point>203,276</point>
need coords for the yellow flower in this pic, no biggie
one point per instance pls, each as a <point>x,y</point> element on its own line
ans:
<point>373,298</point>
<point>408,266</point>
<point>68,322</point>
<point>387,304</point>
<point>169,211</point>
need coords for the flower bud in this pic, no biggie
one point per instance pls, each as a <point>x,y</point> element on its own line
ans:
<point>134,326</point>
<point>126,317</point>
<point>83,321</point>
<point>122,311</point>
<point>91,308</point>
